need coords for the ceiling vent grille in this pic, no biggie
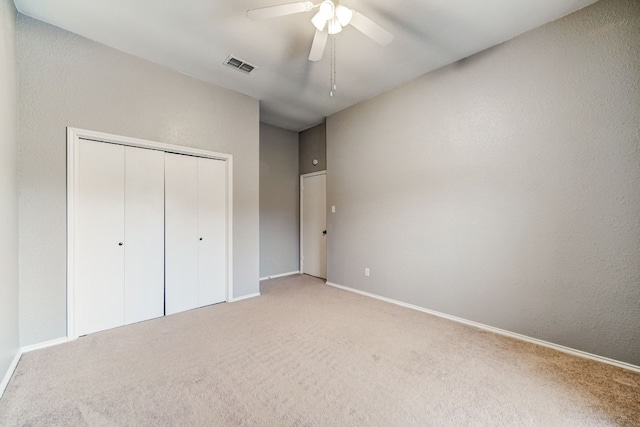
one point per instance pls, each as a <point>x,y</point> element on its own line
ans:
<point>239,64</point>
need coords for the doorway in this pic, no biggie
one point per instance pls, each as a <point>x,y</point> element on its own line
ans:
<point>313,224</point>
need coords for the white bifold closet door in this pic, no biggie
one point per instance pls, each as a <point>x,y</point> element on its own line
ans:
<point>195,232</point>
<point>212,236</point>
<point>119,253</point>
<point>144,235</point>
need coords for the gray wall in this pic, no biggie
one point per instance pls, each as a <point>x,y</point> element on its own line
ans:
<point>67,80</point>
<point>279,201</point>
<point>313,145</point>
<point>8,188</point>
<point>504,189</point>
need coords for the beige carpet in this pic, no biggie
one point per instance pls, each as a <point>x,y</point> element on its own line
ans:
<point>306,354</point>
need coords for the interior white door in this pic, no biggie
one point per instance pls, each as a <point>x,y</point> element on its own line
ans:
<point>212,225</point>
<point>99,239</point>
<point>144,234</point>
<point>314,225</point>
<point>181,233</point>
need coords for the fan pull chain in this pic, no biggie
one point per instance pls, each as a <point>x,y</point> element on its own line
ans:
<point>333,67</point>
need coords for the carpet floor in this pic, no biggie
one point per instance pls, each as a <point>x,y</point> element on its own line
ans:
<point>306,354</point>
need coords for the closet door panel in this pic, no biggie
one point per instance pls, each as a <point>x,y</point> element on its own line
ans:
<point>99,253</point>
<point>181,233</point>
<point>212,219</point>
<point>144,234</point>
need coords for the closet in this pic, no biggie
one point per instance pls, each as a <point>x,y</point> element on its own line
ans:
<point>149,234</point>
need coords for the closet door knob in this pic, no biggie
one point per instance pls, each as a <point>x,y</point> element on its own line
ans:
<point>120,244</point>
<point>201,238</point>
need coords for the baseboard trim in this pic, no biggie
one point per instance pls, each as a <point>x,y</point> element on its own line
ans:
<point>21,351</point>
<point>41,345</point>
<point>275,276</point>
<point>257,294</point>
<point>10,371</point>
<point>568,350</point>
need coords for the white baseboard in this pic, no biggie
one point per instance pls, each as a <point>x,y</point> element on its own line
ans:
<point>38,346</point>
<point>9,374</point>
<point>257,294</point>
<point>21,351</point>
<point>275,276</point>
<point>543,343</point>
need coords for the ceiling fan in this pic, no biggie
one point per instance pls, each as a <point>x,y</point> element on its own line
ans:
<point>330,19</point>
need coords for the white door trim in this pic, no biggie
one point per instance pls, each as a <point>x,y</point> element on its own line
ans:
<point>306,175</point>
<point>73,139</point>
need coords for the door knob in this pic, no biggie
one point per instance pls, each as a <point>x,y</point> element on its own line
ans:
<point>120,244</point>
<point>324,233</point>
<point>201,238</point>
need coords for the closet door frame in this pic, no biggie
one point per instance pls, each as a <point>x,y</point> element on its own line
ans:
<point>74,136</point>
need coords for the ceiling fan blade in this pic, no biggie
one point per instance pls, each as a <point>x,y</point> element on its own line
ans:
<point>318,45</point>
<point>371,29</point>
<point>279,10</point>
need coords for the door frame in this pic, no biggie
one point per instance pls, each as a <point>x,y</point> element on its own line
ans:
<point>306,175</point>
<point>74,135</point>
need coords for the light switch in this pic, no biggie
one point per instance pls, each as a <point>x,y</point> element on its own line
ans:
<point>333,209</point>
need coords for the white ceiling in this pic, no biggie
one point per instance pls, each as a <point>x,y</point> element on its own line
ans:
<point>195,36</point>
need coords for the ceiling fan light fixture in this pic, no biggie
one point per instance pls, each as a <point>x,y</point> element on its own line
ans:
<point>344,15</point>
<point>319,21</point>
<point>327,9</point>
<point>334,26</point>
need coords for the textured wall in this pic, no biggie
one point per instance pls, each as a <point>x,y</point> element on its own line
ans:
<point>8,188</point>
<point>66,80</point>
<point>279,201</point>
<point>504,189</point>
<point>313,145</point>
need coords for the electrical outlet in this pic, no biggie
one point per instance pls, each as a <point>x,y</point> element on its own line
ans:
<point>333,209</point>
<point>366,272</point>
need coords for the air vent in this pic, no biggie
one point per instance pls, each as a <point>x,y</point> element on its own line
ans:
<point>239,64</point>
